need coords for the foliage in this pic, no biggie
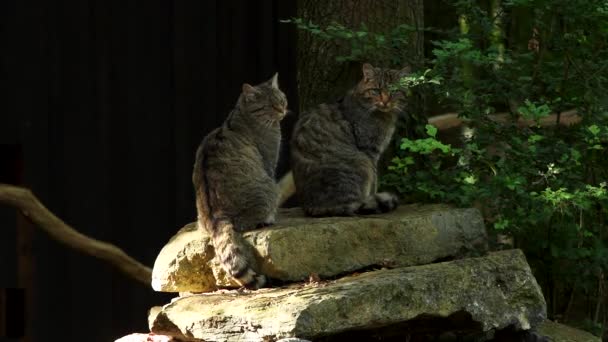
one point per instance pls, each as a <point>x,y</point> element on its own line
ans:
<point>362,44</point>
<point>543,184</point>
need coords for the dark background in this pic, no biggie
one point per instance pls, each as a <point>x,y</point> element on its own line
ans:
<point>102,106</point>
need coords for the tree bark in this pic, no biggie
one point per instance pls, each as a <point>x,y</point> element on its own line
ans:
<point>320,77</point>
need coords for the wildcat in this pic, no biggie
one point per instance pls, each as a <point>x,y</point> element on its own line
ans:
<point>335,148</point>
<point>234,177</point>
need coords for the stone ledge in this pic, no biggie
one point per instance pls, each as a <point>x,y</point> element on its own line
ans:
<point>562,333</point>
<point>298,246</point>
<point>150,337</point>
<point>497,291</point>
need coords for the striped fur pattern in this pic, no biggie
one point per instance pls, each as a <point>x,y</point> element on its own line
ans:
<point>335,148</point>
<point>234,178</point>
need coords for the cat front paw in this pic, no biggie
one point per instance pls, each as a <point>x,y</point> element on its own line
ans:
<point>257,282</point>
<point>387,201</point>
<point>269,221</point>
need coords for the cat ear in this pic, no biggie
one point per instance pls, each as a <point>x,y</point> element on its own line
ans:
<point>248,89</point>
<point>368,71</point>
<point>274,81</point>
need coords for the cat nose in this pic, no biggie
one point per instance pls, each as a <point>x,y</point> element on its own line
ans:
<point>384,98</point>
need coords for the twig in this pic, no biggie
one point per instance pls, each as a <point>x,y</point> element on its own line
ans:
<point>600,295</point>
<point>451,120</point>
<point>570,301</point>
<point>24,200</point>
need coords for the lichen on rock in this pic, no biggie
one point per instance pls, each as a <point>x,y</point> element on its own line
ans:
<point>497,291</point>
<point>298,246</point>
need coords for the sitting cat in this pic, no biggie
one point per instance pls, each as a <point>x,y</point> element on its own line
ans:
<point>234,177</point>
<point>335,148</point>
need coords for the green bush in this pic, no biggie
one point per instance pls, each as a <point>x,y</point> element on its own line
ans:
<point>544,184</point>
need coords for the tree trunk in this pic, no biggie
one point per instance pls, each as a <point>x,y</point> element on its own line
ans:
<point>321,78</point>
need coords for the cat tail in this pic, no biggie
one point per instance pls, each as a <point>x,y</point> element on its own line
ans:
<point>381,202</point>
<point>287,187</point>
<point>232,251</point>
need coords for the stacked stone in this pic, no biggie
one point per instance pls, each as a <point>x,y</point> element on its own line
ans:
<point>418,272</point>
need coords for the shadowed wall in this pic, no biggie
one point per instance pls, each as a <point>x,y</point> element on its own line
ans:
<point>107,102</point>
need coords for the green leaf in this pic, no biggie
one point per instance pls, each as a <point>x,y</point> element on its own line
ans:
<point>471,179</point>
<point>431,130</point>
<point>594,129</point>
<point>535,138</point>
<point>501,224</point>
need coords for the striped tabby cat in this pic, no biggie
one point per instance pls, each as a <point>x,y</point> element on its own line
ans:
<point>335,148</point>
<point>234,177</point>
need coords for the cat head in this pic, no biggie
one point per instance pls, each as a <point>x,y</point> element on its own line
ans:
<point>265,102</point>
<point>375,92</point>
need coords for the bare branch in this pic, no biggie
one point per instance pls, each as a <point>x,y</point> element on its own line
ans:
<point>451,120</point>
<point>287,187</point>
<point>24,200</point>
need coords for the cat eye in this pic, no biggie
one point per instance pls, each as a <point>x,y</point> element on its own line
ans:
<point>374,92</point>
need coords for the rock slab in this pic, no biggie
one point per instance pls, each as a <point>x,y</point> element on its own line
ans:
<point>298,246</point>
<point>497,291</point>
<point>562,333</point>
<point>146,338</point>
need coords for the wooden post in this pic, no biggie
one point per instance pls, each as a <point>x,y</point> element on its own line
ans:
<point>25,259</point>
<point>2,313</point>
<point>25,272</point>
